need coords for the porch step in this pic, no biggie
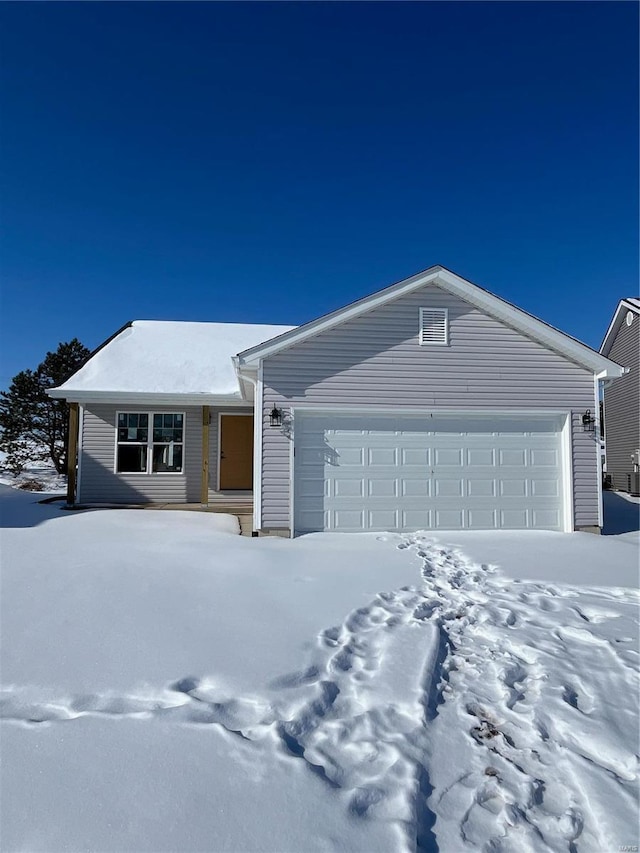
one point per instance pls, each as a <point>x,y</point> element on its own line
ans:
<point>246,523</point>
<point>242,511</point>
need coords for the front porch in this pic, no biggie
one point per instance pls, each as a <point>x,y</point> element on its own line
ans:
<point>214,472</point>
<point>239,505</point>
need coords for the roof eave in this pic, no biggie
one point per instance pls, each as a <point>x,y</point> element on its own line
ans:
<point>254,355</point>
<point>483,299</point>
<point>129,398</point>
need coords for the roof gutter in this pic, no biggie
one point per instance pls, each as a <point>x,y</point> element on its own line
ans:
<point>606,378</point>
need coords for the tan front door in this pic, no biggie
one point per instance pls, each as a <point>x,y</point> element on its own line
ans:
<point>236,452</point>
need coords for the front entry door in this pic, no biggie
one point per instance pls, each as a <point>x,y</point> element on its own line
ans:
<point>236,452</point>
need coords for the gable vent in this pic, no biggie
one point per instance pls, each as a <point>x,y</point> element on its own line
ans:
<point>434,326</point>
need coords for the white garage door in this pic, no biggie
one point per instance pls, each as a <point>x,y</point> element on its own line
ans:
<point>362,472</point>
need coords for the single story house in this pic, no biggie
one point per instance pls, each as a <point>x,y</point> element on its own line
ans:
<point>431,404</point>
<point>622,399</point>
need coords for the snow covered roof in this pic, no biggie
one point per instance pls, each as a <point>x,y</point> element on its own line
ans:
<point>171,358</point>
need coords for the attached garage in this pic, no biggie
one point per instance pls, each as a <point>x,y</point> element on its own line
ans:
<point>375,472</point>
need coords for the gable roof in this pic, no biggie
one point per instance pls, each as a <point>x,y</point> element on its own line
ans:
<point>438,275</point>
<point>628,304</point>
<point>158,357</point>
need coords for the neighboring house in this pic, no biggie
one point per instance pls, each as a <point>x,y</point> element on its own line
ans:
<point>622,399</point>
<point>431,404</point>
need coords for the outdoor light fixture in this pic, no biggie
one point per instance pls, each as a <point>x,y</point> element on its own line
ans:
<point>588,421</point>
<point>275,417</point>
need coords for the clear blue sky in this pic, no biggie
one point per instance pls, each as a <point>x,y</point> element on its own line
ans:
<point>268,163</point>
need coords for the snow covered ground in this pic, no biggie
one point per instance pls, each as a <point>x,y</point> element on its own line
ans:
<point>169,687</point>
<point>37,476</point>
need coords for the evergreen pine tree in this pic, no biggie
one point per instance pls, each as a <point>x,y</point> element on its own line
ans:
<point>33,426</point>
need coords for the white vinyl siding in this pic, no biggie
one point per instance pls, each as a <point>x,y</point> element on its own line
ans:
<point>374,361</point>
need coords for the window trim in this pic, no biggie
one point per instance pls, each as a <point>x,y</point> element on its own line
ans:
<point>445,314</point>
<point>149,444</point>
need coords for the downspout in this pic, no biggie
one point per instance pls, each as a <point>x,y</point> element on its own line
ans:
<point>601,382</point>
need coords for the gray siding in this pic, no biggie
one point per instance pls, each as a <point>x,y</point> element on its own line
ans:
<point>375,360</point>
<point>622,405</point>
<point>100,484</point>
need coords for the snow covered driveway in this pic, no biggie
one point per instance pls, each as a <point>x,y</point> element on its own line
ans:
<point>168,687</point>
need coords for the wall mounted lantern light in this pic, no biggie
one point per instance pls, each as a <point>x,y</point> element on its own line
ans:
<point>588,421</point>
<point>275,417</point>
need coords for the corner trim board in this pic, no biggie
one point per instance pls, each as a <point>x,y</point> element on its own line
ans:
<point>204,476</point>
<point>80,450</point>
<point>566,447</point>
<point>72,453</point>
<point>596,442</point>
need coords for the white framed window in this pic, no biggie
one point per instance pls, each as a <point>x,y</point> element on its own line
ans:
<point>149,442</point>
<point>434,326</point>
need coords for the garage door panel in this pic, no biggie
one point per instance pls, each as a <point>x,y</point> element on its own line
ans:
<point>383,488</point>
<point>419,456</point>
<point>514,519</point>
<point>448,487</point>
<point>449,519</point>
<point>543,519</point>
<point>516,457</point>
<point>309,487</point>
<point>513,488</point>
<point>344,487</point>
<point>350,455</point>
<point>312,456</point>
<point>448,456</point>
<point>416,487</point>
<point>310,520</point>
<point>351,473</point>
<point>382,456</point>
<point>481,456</point>
<point>545,488</point>
<point>383,519</point>
<point>348,519</point>
<point>482,519</point>
<point>416,519</point>
<point>542,458</point>
<point>484,488</point>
